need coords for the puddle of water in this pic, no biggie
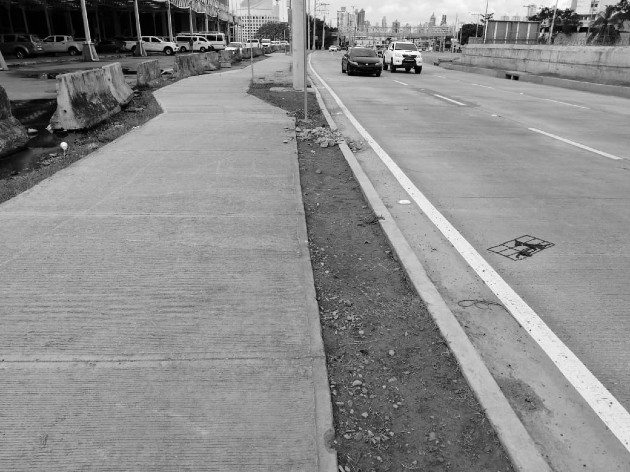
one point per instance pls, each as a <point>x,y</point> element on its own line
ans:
<point>34,114</point>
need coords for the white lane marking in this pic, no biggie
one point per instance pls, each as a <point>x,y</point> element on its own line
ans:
<point>573,143</point>
<point>605,405</point>
<point>565,103</point>
<point>399,82</point>
<point>450,100</point>
<point>441,76</point>
<point>484,86</point>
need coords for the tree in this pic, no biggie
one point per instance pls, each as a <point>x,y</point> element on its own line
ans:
<point>605,28</point>
<point>274,31</point>
<point>566,20</point>
<point>469,30</point>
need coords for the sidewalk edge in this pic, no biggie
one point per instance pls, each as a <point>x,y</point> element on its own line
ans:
<point>517,442</point>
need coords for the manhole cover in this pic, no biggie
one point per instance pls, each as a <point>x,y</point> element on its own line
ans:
<point>521,247</point>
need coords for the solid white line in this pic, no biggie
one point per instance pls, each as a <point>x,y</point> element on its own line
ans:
<point>573,143</point>
<point>398,82</point>
<point>441,76</point>
<point>484,86</point>
<point>450,100</point>
<point>605,405</point>
<point>565,103</point>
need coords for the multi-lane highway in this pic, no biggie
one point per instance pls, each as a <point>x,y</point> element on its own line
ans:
<point>486,161</point>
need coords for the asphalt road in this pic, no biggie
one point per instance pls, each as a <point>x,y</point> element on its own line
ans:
<point>502,159</point>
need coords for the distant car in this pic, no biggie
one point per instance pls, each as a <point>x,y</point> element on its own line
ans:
<point>402,54</point>
<point>361,61</point>
<point>21,45</point>
<point>234,46</point>
<point>199,43</point>
<point>156,44</point>
<point>333,48</point>
<point>58,43</point>
<point>252,43</point>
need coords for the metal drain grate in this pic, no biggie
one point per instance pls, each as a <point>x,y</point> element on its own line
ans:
<point>521,247</point>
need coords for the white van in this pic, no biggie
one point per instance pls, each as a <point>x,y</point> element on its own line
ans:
<point>252,43</point>
<point>215,38</point>
<point>199,43</point>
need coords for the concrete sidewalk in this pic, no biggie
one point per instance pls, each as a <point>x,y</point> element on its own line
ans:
<point>157,303</point>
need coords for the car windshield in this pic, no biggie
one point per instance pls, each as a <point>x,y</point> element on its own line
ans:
<point>363,52</point>
<point>406,46</point>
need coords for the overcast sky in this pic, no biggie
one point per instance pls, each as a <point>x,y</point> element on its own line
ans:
<point>416,12</point>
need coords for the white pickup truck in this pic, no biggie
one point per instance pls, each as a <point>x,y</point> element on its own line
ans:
<point>402,54</point>
<point>57,44</point>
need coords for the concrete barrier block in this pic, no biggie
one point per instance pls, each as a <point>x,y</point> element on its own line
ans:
<point>13,135</point>
<point>225,56</point>
<point>148,73</point>
<point>208,62</point>
<point>188,64</point>
<point>116,82</point>
<point>84,99</point>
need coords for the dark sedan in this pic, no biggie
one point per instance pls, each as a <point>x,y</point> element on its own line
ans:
<point>361,61</point>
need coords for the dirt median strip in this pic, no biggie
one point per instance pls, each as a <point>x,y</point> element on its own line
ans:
<point>399,399</point>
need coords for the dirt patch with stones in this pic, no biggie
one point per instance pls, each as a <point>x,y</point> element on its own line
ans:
<point>399,400</point>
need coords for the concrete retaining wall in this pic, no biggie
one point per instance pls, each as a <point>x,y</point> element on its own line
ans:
<point>13,135</point>
<point>188,64</point>
<point>116,82</point>
<point>606,65</point>
<point>148,73</point>
<point>210,60</point>
<point>84,99</point>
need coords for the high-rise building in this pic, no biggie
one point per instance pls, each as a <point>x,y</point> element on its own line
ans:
<point>395,26</point>
<point>384,22</point>
<point>343,19</point>
<point>361,18</point>
<point>260,13</point>
<point>443,22</point>
<point>432,20</point>
<point>531,9</point>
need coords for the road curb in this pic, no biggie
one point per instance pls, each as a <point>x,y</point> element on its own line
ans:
<point>517,442</point>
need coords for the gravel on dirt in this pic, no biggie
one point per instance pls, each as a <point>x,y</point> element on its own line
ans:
<point>399,400</point>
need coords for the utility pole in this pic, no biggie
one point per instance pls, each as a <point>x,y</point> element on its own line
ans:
<point>485,28</point>
<point>553,21</point>
<point>298,11</point>
<point>324,11</point>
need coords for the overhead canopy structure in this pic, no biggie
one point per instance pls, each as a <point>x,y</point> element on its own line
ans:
<point>210,7</point>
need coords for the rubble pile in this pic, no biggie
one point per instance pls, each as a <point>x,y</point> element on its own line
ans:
<point>325,137</point>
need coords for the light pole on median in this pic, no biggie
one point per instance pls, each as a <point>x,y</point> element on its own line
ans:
<point>249,38</point>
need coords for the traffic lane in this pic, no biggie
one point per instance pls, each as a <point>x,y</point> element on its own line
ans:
<point>453,152</point>
<point>579,117</point>
<point>561,96</point>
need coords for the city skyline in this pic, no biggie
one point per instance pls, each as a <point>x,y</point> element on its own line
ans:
<point>419,14</point>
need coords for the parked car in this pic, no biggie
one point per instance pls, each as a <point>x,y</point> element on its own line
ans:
<point>234,46</point>
<point>402,54</point>
<point>252,43</point>
<point>215,39</point>
<point>61,44</point>
<point>333,48</point>
<point>199,43</point>
<point>155,44</point>
<point>21,45</point>
<point>105,46</point>
<point>361,61</point>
